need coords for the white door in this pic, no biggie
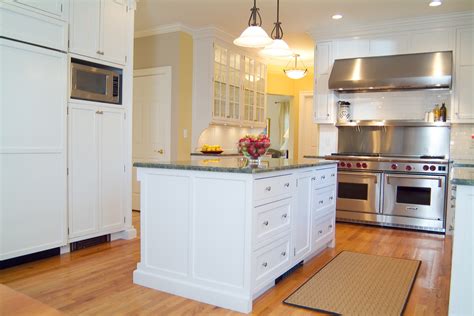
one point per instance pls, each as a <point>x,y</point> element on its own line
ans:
<point>83,170</point>
<point>308,131</point>
<point>85,28</point>
<point>151,119</point>
<point>114,30</point>
<point>111,168</point>
<point>301,237</point>
<point>33,180</point>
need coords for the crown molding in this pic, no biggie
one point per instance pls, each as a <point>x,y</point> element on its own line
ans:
<point>163,29</point>
<point>409,24</point>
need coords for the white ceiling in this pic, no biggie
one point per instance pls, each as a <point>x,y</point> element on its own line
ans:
<point>297,16</point>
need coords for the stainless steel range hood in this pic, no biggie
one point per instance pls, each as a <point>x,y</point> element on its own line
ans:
<point>397,72</point>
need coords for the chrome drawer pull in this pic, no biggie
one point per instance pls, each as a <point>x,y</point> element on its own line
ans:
<point>313,178</point>
<point>265,264</point>
<point>283,253</point>
<point>330,226</point>
<point>287,184</point>
<point>320,232</point>
<point>265,223</point>
<point>268,188</point>
<point>323,177</point>
<point>284,216</point>
<point>321,202</point>
<point>332,174</point>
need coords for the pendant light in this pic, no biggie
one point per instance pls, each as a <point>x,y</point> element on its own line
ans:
<point>278,48</point>
<point>254,35</point>
<point>295,72</point>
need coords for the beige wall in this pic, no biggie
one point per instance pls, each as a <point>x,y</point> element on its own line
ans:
<point>175,50</point>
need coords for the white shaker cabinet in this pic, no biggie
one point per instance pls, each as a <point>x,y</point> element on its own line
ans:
<point>323,102</point>
<point>96,169</point>
<point>33,151</point>
<point>98,29</point>
<point>53,8</point>
<point>302,216</point>
<point>463,109</point>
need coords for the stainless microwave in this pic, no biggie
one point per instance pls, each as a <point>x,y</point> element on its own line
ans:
<point>95,82</point>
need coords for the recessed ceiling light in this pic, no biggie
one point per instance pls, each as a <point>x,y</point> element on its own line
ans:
<point>435,3</point>
<point>337,16</point>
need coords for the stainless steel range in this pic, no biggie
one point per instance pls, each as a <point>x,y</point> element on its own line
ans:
<point>393,174</point>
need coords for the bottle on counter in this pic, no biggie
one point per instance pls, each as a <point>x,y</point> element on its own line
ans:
<point>436,113</point>
<point>442,113</point>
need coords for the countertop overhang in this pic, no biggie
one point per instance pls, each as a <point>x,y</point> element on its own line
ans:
<point>234,165</point>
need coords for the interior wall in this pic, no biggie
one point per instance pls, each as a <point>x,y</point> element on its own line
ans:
<point>279,83</point>
<point>175,50</point>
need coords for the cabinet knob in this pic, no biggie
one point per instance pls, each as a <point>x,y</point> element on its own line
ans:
<point>320,232</point>
<point>265,264</point>
<point>268,188</point>
<point>284,216</point>
<point>331,198</point>
<point>160,151</point>
<point>283,253</point>
<point>265,223</point>
<point>323,177</point>
<point>330,226</point>
<point>287,184</point>
<point>99,112</point>
<point>321,202</point>
<point>332,174</point>
<point>313,178</point>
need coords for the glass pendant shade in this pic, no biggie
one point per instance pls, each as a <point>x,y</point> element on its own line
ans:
<point>253,36</point>
<point>296,73</point>
<point>278,48</point>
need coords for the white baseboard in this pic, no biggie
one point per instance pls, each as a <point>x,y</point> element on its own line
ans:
<point>128,233</point>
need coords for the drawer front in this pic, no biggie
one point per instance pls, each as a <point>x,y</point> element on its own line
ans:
<point>271,187</point>
<point>324,199</point>
<point>33,28</point>
<point>273,260</point>
<point>322,228</point>
<point>272,219</point>
<point>325,177</point>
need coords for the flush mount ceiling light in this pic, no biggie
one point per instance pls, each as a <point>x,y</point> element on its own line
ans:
<point>435,3</point>
<point>337,16</point>
<point>295,72</point>
<point>254,35</point>
<point>278,48</point>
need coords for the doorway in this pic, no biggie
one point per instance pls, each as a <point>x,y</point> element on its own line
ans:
<point>278,116</point>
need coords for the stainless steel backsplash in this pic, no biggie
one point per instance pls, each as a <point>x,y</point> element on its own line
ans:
<point>394,140</point>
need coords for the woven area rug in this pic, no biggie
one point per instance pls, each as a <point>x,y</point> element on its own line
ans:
<point>358,284</point>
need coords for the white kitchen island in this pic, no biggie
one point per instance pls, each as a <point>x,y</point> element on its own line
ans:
<point>219,232</point>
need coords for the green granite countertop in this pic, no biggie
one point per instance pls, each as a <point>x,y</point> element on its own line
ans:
<point>234,165</point>
<point>461,175</point>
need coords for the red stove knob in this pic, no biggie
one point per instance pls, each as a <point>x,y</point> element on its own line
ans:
<point>358,165</point>
<point>349,165</point>
<point>394,166</point>
<point>343,164</point>
<point>408,168</point>
<point>432,168</point>
<point>426,167</point>
<point>364,165</point>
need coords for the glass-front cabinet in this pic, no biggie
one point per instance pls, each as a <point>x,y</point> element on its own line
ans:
<point>238,89</point>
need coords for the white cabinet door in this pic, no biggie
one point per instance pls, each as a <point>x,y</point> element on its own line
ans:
<point>323,101</point>
<point>301,231</point>
<point>85,28</point>
<point>83,170</point>
<point>432,41</point>
<point>389,45</point>
<point>323,58</point>
<point>32,149</point>
<point>111,168</point>
<point>464,81</point>
<point>114,31</point>
<point>53,7</point>
<point>351,48</point>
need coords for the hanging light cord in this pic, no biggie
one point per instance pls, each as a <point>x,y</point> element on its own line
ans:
<point>296,64</point>
<point>277,32</point>
<point>254,15</point>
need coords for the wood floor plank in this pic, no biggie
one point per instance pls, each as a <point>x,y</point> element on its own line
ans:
<point>98,280</point>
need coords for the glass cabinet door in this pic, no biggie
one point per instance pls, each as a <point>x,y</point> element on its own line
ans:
<point>249,89</point>
<point>260,92</point>
<point>220,82</point>
<point>233,106</point>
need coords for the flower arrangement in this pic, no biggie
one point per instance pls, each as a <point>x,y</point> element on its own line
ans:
<point>254,146</point>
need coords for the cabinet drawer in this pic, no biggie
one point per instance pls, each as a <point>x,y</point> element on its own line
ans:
<point>323,199</point>
<point>322,228</point>
<point>325,177</point>
<point>270,187</point>
<point>272,219</point>
<point>272,260</point>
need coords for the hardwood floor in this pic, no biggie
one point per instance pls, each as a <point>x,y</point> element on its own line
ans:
<point>98,280</point>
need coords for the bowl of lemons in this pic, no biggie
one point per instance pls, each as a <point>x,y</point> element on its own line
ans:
<point>211,149</point>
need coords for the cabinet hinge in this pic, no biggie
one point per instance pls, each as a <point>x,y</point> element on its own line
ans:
<point>61,7</point>
<point>67,171</point>
<point>68,230</point>
<point>124,219</point>
<point>294,251</point>
<point>125,59</point>
<point>68,44</point>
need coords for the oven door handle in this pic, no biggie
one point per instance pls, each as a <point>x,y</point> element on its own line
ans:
<point>440,182</point>
<point>364,175</point>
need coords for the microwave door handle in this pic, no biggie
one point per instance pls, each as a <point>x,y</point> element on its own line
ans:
<point>416,178</point>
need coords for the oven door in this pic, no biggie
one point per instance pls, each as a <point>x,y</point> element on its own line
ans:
<point>414,196</point>
<point>358,192</point>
